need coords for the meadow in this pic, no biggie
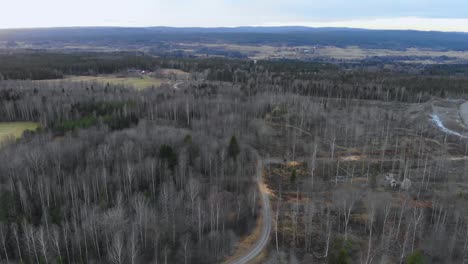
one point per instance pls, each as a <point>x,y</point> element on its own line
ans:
<point>138,82</point>
<point>15,129</point>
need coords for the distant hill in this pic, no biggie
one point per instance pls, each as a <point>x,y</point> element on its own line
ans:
<point>292,36</point>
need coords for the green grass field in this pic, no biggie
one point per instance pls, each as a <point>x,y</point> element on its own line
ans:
<point>15,129</point>
<point>137,82</point>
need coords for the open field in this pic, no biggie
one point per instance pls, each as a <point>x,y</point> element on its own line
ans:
<point>412,55</point>
<point>350,53</point>
<point>15,129</point>
<point>139,83</point>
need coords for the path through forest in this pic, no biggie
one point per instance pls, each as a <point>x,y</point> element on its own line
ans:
<point>266,219</point>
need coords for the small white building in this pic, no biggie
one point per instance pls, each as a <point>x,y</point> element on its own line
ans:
<point>389,177</point>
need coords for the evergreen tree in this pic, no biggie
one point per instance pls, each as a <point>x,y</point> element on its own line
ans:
<point>415,258</point>
<point>233,149</point>
<point>293,177</point>
<point>168,154</point>
<point>373,180</point>
<point>188,139</point>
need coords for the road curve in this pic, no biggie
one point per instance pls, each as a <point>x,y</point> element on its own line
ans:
<point>176,85</point>
<point>266,221</point>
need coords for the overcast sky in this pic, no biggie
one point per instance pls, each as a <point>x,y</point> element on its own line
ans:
<point>446,15</point>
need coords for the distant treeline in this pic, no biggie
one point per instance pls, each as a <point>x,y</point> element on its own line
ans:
<point>45,65</point>
<point>294,36</point>
<point>418,83</point>
<point>329,80</point>
<point>447,69</point>
<point>48,65</point>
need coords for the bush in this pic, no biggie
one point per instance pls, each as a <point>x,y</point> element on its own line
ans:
<point>341,251</point>
<point>69,125</point>
<point>293,177</point>
<point>415,258</point>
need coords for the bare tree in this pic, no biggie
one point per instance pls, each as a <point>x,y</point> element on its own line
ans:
<point>3,239</point>
<point>116,249</point>
<point>346,200</point>
<point>55,238</point>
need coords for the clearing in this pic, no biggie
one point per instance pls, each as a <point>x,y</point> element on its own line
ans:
<point>138,82</point>
<point>15,129</point>
<point>307,52</point>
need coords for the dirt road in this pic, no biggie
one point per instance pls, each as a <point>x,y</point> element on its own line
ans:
<point>266,220</point>
<point>176,85</point>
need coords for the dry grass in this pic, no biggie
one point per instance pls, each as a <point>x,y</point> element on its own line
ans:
<point>264,189</point>
<point>353,158</point>
<point>173,72</point>
<point>294,164</point>
<point>260,258</point>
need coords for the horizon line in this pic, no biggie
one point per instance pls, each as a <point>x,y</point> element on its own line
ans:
<point>232,27</point>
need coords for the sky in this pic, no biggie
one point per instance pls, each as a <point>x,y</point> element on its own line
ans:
<point>446,15</point>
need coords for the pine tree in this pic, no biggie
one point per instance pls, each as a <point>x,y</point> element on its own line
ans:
<point>293,177</point>
<point>168,154</point>
<point>233,149</point>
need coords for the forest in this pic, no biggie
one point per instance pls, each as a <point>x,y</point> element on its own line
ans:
<point>356,165</point>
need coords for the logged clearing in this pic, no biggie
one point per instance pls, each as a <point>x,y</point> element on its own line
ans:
<point>15,129</point>
<point>138,82</point>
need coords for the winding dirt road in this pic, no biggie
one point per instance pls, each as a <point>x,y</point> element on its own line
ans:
<point>266,220</point>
